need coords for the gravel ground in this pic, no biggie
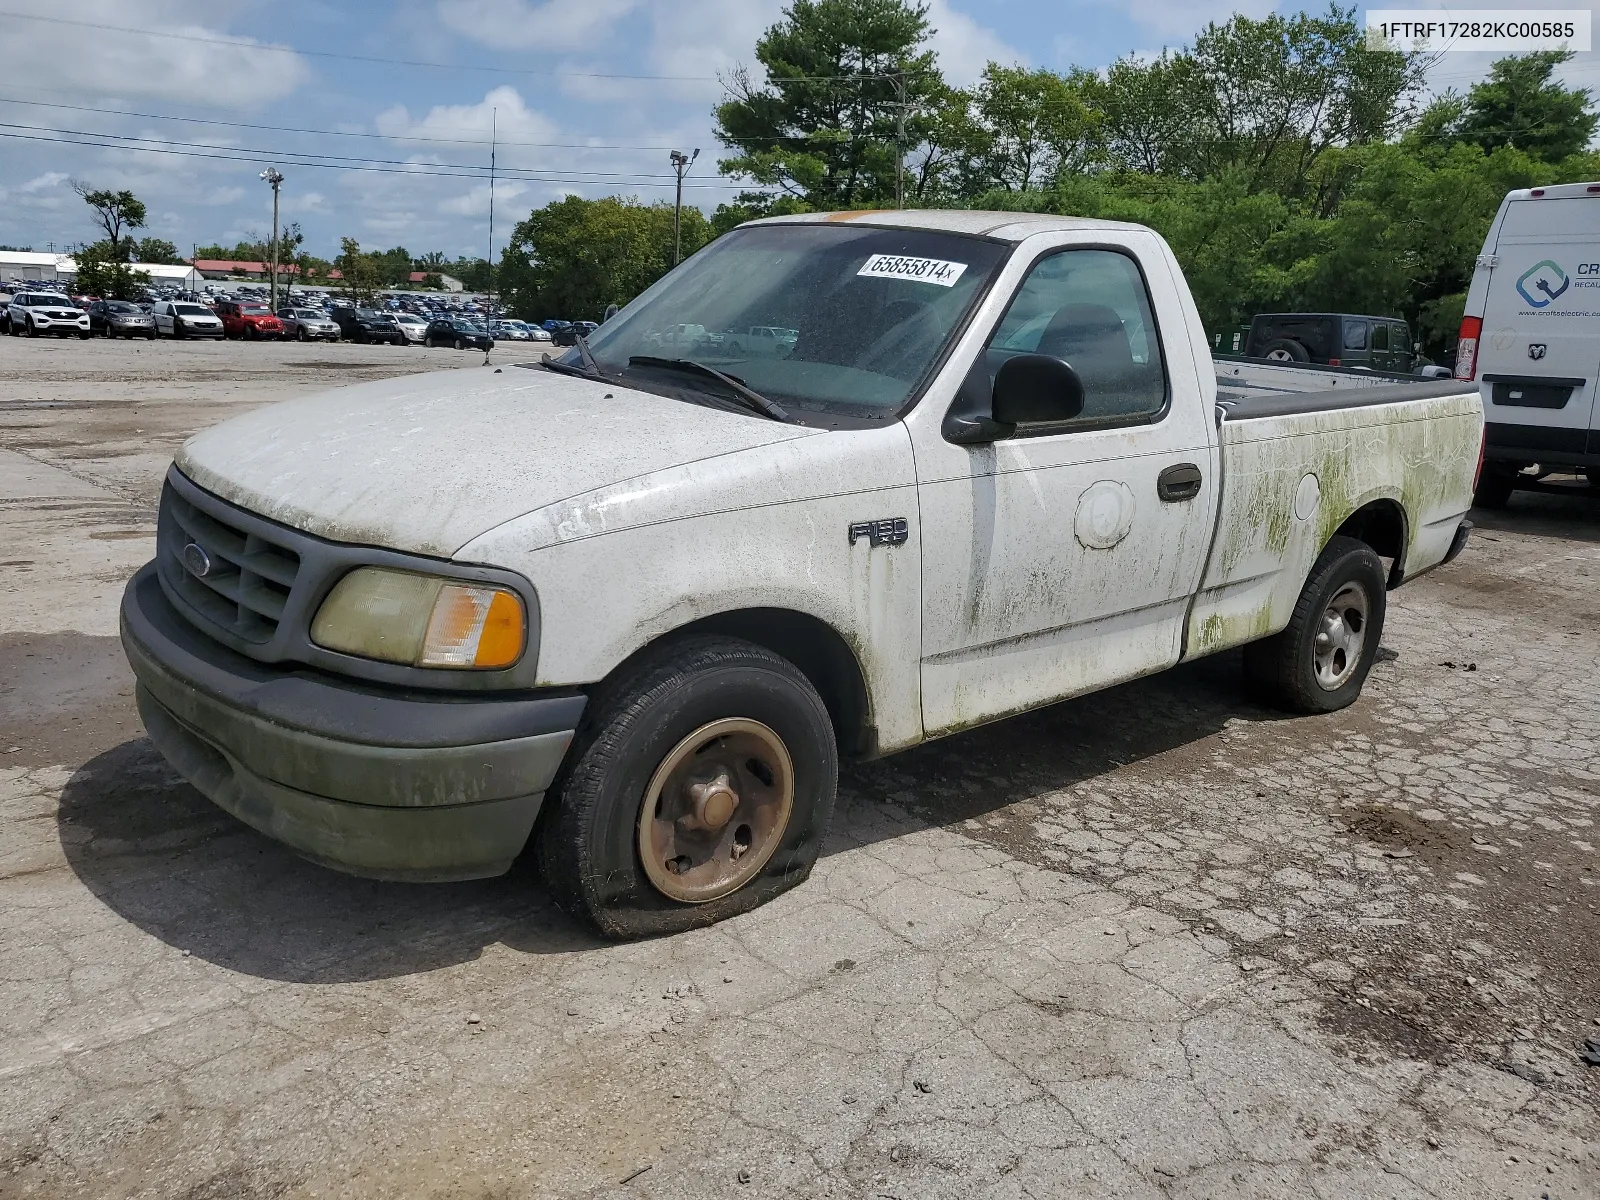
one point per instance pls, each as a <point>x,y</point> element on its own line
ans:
<point>1157,942</point>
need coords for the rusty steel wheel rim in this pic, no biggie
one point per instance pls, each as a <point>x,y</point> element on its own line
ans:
<point>715,810</point>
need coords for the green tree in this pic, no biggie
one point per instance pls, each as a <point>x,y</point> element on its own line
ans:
<point>360,276</point>
<point>472,272</point>
<point>116,212</point>
<point>1261,98</point>
<point>573,257</point>
<point>155,250</point>
<point>848,83</point>
<point>1032,125</point>
<point>104,272</point>
<point>1521,105</point>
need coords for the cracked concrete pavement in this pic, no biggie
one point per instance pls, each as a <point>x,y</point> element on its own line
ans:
<point>1157,942</point>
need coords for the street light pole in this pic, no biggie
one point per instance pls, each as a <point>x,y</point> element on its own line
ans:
<point>273,176</point>
<point>680,166</point>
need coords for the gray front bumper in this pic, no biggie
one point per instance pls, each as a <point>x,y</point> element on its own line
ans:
<point>391,785</point>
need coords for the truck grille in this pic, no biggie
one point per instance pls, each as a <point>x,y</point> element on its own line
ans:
<point>238,579</point>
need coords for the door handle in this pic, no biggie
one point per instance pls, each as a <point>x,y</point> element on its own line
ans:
<point>1180,482</point>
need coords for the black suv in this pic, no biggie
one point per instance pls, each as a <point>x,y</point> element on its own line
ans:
<point>458,332</point>
<point>368,325</point>
<point>1332,339</point>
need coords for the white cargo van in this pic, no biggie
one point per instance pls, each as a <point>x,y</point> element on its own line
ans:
<point>1531,338</point>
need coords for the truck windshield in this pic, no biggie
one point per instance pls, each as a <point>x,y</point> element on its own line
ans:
<point>861,314</point>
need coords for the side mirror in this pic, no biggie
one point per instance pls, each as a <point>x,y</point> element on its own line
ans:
<point>1036,387</point>
<point>1029,387</point>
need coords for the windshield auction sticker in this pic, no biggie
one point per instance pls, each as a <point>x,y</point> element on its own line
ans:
<point>923,270</point>
<point>1497,30</point>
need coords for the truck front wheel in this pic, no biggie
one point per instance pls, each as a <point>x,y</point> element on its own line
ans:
<point>1321,659</point>
<point>700,786</point>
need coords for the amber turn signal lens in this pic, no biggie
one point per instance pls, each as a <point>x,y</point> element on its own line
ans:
<point>473,627</point>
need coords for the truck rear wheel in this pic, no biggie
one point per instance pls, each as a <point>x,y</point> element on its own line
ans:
<point>1495,485</point>
<point>1321,659</point>
<point>700,786</point>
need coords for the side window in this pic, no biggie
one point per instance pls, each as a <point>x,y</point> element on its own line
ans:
<point>1089,307</point>
<point>1355,335</point>
<point>1380,337</point>
<point>1400,337</point>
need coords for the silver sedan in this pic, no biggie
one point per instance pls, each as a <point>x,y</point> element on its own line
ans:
<point>308,325</point>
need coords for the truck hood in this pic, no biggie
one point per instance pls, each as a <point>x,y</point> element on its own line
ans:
<point>427,463</point>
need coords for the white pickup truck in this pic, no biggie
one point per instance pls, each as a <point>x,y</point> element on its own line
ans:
<point>628,610</point>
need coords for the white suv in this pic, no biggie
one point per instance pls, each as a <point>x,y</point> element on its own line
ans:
<point>33,313</point>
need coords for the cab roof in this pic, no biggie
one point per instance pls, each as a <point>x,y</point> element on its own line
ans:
<point>1003,226</point>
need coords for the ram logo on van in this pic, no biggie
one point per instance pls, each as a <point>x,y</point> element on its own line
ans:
<point>1545,278</point>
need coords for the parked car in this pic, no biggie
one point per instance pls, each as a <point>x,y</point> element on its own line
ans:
<point>1528,339</point>
<point>1333,340</point>
<point>120,318</point>
<point>33,314</point>
<point>510,331</point>
<point>184,318</point>
<point>611,593</point>
<point>249,319</point>
<point>458,332</point>
<point>413,326</point>
<point>768,341</point>
<point>365,325</point>
<point>308,325</point>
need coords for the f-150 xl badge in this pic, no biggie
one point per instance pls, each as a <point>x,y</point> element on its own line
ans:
<point>890,531</point>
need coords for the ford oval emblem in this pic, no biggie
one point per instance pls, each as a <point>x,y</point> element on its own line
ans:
<point>197,560</point>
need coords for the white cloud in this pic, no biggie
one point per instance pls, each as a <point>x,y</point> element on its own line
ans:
<point>40,183</point>
<point>223,195</point>
<point>519,25</point>
<point>964,46</point>
<point>50,60</point>
<point>1177,21</point>
<point>463,130</point>
<point>475,202</point>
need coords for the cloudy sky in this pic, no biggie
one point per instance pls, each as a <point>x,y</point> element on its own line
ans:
<point>588,97</point>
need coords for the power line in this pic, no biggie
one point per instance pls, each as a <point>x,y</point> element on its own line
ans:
<point>263,152</point>
<point>420,169</point>
<point>248,44</point>
<point>349,133</point>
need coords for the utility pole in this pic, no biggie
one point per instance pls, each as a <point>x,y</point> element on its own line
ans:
<point>680,166</point>
<point>275,177</point>
<point>900,140</point>
<point>494,129</point>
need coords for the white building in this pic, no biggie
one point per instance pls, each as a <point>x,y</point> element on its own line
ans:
<point>25,264</point>
<point>62,269</point>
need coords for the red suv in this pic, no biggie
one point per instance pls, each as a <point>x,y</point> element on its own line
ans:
<point>245,319</point>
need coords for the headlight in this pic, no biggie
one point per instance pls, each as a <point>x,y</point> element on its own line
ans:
<point>421,620</point>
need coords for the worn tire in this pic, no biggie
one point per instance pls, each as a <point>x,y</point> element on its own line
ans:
<point>460,345</point>
<point>588,838</point>
<point>1281,670</point>
<point>1494,488</point>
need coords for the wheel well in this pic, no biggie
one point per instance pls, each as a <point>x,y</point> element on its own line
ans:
<point>1381,524</point>
<point>819,651</point>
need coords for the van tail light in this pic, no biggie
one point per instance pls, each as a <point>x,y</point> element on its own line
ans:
<point>1467,348</point>
<point>1334,362</point>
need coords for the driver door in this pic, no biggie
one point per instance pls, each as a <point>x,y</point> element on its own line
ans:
<point>1062,559</point>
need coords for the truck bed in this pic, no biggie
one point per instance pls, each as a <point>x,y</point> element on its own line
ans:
<point>1301,450</point>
